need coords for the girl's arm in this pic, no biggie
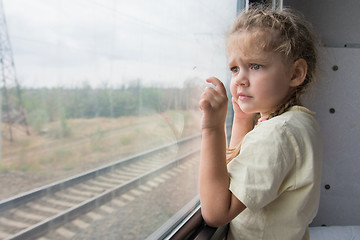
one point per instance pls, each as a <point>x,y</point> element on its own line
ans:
<point>218,205</point>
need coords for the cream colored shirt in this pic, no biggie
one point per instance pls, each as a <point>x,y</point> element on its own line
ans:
<point>277,176</point>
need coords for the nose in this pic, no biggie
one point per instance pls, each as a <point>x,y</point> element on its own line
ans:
<point>242,78</point>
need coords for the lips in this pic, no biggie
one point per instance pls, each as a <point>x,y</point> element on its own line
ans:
<point>244,97</point>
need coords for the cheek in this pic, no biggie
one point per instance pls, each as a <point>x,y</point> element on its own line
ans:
<point>264,90</point>
<point>233,88</point>
<point>274,92</point>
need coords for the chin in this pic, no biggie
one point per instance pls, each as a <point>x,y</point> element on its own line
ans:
<point>247,109</point>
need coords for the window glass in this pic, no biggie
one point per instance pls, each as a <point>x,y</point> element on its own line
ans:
<point>89,83</point>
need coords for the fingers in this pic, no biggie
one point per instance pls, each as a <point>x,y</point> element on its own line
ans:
<point>219,86</point>
<point>213,98</point>
<point>207,98</point>
<point>204,104</point>
<point>233,100</point>
<point>213,103</point>
<point>239,113</point>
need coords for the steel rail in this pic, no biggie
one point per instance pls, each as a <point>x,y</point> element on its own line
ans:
<point>53,187</point>
<point>87,205</point>
<point>70,214</point>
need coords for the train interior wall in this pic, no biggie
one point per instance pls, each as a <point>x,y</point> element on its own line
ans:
<point>336,100</point>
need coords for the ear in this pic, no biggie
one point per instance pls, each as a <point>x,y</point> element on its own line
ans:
<point>299,72</point>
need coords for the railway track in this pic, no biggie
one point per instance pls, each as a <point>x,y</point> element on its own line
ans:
<point>34,213</point>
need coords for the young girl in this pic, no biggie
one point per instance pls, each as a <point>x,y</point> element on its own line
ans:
<point>271,187</point>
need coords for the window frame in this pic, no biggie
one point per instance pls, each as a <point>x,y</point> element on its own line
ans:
<point>187,224</point>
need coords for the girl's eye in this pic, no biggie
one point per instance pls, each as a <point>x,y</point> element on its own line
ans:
<point>234,70</point>
<point>256,66</point>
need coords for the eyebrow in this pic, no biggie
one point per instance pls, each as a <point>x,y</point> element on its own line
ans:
<point>259,60</point>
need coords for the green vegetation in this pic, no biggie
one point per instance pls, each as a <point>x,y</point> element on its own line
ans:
<point>44,105</point>
<point>73,128</point>
<point>89,103</point>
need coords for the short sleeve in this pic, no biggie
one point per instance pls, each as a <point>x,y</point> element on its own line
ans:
<point>258,173</point>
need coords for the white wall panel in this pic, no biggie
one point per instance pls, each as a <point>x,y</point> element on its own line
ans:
<point>336,101</point>
<point>336,21</point>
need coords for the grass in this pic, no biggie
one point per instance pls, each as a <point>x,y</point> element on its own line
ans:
<point>75,144</point>
<point>125,139</point>
<point>4,169</point>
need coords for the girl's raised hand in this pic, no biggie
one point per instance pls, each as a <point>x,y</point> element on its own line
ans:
<point>213,103</point>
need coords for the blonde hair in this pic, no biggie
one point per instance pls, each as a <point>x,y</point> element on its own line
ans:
<point>292,37</point>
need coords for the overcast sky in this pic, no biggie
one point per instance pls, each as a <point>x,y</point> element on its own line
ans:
<point>112,42</point>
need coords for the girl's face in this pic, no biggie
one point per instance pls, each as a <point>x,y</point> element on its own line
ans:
<point>260,79</point>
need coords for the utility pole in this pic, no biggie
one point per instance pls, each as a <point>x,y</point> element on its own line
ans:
<point>12,101</point>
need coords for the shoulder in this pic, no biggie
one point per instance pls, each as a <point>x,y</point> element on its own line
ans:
<point>296,121</point>
<point>298,117</point>
<point>295,128</point>
<point>300,123</point>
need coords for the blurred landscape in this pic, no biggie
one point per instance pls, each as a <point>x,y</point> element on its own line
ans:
<point>75,130</point>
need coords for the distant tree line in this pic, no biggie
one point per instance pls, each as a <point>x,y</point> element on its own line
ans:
<point>44,105</point>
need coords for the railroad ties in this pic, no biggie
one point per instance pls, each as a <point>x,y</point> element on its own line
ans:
<point>33,214</point>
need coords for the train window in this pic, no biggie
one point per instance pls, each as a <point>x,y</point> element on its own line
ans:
<point>99,118</point>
